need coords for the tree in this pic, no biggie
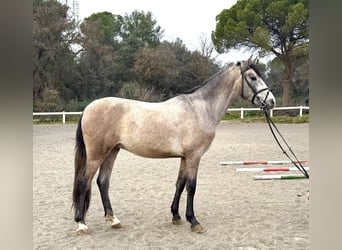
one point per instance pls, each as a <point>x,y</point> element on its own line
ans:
<point>275,75</point>
<point>300,83</point>
<point>103,27</point>
<point>139,30</point>
<point>142,27</point>
<point>300,79</point>
<point>157,67</point>
<point>53,34</point>
<point>280,27</point>
<point>97,63</point>
<point>110,43</point>
<point>172,69</point>
<point>206,46</point>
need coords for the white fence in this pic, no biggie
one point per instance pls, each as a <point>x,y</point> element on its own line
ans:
<point>242,110</point>
<point>63,114</point>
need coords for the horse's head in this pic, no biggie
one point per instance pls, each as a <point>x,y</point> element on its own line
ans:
<point>253,87</point>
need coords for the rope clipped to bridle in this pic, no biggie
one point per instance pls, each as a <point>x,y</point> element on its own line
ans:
<point>295,162</point>
<point>271,124</point>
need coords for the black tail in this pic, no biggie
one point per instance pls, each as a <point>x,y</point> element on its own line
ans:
<point>80,181</point>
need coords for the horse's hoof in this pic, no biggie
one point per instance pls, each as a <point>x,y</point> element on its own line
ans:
<point>115,221</point>
<point>177,222</point>
<point>115,226</point>
<point>198,229</point>
<point>82,229</point>
<point>83,232</point>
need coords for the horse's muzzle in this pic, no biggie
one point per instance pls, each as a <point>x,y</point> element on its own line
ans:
<point>269,102</point>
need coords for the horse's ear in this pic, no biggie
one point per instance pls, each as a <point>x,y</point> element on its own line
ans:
<point>250,60</point>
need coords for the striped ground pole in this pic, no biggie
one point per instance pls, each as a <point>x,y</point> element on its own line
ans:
<point>259,162</point>
<point>268,169</point>
<point>278,177</point>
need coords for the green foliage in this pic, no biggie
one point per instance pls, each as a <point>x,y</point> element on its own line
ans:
<point>141,28</point>
<point>300,80</point>
<point>53,33</point>
<point>266,24</point>
<point>103,27</point>
<point>280,27</point>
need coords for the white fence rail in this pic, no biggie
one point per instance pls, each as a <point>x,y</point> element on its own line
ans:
<point>242,110</point>
<point>63,114</point>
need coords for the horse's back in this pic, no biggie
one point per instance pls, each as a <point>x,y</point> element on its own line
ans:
<point>137,126</point>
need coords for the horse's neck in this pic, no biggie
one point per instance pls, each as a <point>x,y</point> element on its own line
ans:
<point>217,95</point>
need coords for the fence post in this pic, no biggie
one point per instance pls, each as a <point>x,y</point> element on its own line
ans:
<point>300,110</point>
<point>63,113</point>
<point>241,113</point>
<point>271,112</point>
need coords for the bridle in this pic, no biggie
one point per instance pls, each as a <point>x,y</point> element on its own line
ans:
<point>271,124</point>
<point>255,92</point>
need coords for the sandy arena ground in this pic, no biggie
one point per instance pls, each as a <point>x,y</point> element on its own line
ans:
<point>237,211</point>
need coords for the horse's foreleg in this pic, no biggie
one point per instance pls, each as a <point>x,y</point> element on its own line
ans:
<point>191,180</point>
<point>180,184</point>
<point>103,181</point>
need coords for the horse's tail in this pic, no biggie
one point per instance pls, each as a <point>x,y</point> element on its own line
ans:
<point>80,181</point>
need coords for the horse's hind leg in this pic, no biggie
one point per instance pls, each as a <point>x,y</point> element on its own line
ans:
<point>103,181</point>
<point>180,184</point>
<point>82,194</point>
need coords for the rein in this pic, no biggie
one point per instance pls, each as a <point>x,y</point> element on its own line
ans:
<point>295,162</point>
<point>263,106</point>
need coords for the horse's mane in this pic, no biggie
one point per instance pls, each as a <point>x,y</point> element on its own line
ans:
<point>193,89</point>
<point>254,67</point>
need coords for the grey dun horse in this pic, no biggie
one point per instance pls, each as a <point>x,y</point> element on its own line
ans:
<point>183,126</point>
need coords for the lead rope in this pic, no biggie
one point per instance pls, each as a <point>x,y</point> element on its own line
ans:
<point>297,163</point>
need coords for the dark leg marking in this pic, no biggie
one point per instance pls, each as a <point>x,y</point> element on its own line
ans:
<point>191,189</point>
<point>180,184</point>
<point>103,184</point>
<point>83,199</point>
<point>175,204</point>
<point>103,181</point>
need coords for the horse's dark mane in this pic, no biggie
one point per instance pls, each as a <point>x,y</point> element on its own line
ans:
<point>257,71</point>
<point>252,66</point>
<point>193,89</point>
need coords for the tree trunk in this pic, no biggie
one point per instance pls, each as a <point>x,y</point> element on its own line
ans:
<point>287,81</point>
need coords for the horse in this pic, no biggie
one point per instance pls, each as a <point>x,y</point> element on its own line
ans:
<point>183,126</point>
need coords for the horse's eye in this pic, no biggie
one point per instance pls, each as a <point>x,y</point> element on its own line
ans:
<point>253,78</point>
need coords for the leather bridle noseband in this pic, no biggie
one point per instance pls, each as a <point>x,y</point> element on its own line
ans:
<point>255,92</point>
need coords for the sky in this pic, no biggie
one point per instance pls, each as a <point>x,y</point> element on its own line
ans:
<point>184,19</point>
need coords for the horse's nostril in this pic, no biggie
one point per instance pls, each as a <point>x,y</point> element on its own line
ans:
<point>270,103</point>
